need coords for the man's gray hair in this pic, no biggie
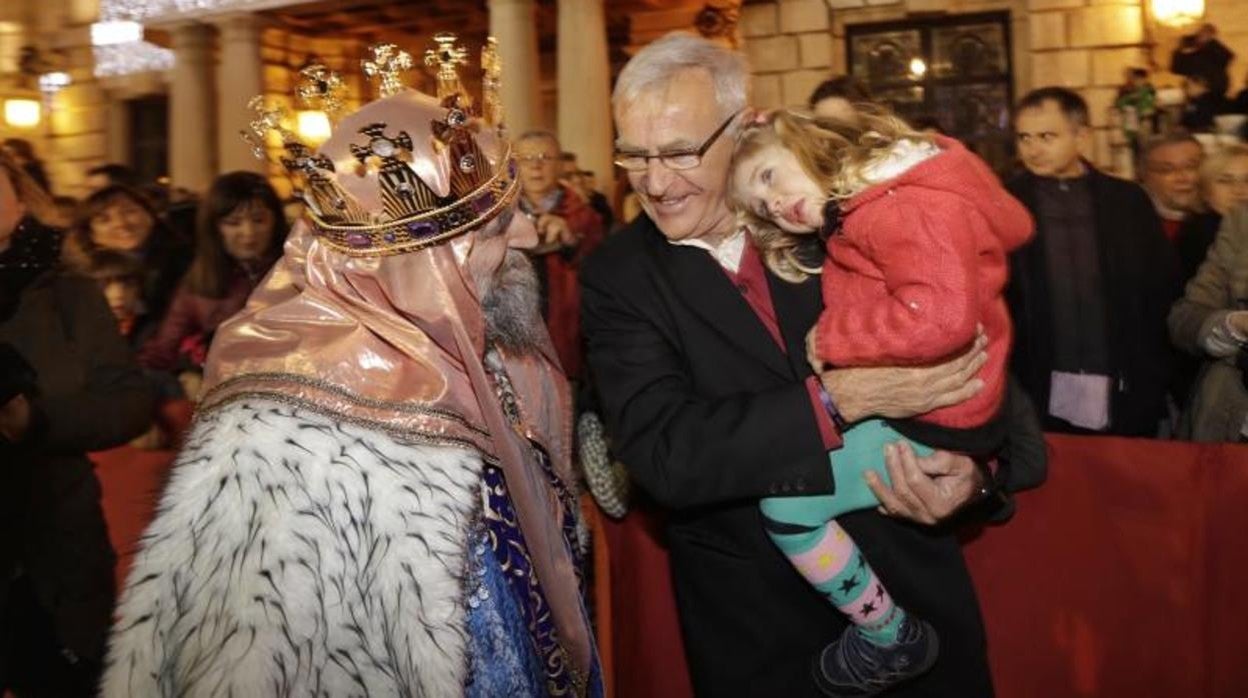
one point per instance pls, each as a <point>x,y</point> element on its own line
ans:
<point>1171,137</point>
<point>539,134</point>
<point>656,64</point>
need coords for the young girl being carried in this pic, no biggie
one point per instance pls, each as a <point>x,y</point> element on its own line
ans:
<point>916,231</point>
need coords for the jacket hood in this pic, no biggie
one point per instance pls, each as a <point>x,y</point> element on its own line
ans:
<point>958,171</point>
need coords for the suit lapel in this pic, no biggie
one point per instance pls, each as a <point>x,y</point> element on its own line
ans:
<point>701,284</point>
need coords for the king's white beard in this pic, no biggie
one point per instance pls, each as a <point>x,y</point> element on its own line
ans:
<point>512,306</point>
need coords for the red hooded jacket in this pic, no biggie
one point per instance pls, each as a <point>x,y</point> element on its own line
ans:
<point>920,261</point>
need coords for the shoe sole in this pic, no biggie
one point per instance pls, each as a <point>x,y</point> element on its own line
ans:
<point>928,660</point>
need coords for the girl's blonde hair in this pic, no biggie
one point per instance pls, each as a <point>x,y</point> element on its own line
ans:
<point>834,153</point>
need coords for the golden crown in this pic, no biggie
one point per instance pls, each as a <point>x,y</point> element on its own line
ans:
<point>405,171</point>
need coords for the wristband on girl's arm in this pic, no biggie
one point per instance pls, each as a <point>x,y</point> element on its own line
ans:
<point>833,413</point>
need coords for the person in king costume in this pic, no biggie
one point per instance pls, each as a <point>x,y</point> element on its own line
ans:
<point>376,495</point>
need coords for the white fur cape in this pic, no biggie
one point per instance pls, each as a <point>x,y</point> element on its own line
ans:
<point>294,554</point>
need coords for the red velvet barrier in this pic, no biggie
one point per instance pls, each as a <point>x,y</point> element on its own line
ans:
<point>1120,577</point>
<point>132,479</point>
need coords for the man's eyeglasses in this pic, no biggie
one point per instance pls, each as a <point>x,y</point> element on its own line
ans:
<point>673,160</point>
<point>536,157</point>
<point>1231,180</point>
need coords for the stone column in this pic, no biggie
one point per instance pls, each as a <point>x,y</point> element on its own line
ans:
<point>239,78</point>
<point>514,24</point>
<point>585,87</point>
<point>192,122</point>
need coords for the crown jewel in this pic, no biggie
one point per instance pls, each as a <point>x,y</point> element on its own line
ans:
<point>405,171</point>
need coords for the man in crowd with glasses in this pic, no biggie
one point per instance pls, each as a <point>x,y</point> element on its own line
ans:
<point>698,356</point>
<point>1172,179</point>
<point>568,229</point>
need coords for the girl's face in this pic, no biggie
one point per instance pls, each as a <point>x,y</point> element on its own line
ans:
<point>247,231</point>
<point>773,185</point>
<point>1230,188</point>
<point>122,296</point>
<point>123,226</point>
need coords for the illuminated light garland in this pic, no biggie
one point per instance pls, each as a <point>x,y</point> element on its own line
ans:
<point>159,10</point>
<point>115,60</point>
<point>118,52</point>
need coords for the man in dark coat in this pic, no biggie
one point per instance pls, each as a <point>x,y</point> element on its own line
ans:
<point>68,386</point>
<point>710,413</point>
<point>1203,55</point>
<point>1090,293</point>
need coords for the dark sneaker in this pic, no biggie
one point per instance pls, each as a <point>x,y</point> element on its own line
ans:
<point>855,667</point>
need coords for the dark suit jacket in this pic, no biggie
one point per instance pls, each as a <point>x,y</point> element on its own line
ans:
<point>1139,273</point>
<point>90,396</point>
<point>709,415</point>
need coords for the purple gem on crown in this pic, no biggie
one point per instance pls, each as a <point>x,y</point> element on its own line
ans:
<point>422,229</point>
<point>359,239</point>
<point>482,203</point>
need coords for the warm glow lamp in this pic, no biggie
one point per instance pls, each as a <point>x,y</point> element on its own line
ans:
<point>1178,13</point>
<point>313,126</point>
<point>21,113</point>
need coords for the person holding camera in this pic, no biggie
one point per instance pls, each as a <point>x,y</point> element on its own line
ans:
<point>68,386</point>
<point>1201,54</point>
<point>568,229</point>
<point>1211,320</point>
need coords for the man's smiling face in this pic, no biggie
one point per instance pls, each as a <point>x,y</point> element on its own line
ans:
<point>680,116</point>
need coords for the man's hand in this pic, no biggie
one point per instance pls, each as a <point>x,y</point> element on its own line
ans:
<point>554,230</point>
<point>812,353</point>
<point>925,489</point>
<point>1238,322</point>
<point>904,392</point>
<point>192,384</point>
<point>15,419</point>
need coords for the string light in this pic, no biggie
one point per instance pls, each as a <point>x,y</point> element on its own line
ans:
<point>118,45</point>
<point>140,10</point>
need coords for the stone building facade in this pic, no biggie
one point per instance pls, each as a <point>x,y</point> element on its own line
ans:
<point>560,57</point>
<point>1082,44</point>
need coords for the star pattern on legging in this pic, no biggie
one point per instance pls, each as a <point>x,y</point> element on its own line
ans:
<point>849,584</point>
<point>867,609</point>
<point>879,591</point>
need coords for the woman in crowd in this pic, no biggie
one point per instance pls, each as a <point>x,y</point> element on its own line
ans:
<point>1211,320</point>
<point>121,219</point>
<point>239,234</point>
<point>1224,185</point>
<point>68,386</point>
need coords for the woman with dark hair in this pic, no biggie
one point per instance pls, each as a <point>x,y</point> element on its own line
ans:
<point>239,235</point>
<point>121,219</point>
<point>68,386</point>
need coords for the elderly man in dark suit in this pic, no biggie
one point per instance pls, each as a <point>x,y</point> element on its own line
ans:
<point>710,412</point>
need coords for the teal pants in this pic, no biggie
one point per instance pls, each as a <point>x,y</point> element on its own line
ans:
<point>863,450</point>
<point>806,531</point>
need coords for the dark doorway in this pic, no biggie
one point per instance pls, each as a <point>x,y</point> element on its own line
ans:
<point>148,119</point>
